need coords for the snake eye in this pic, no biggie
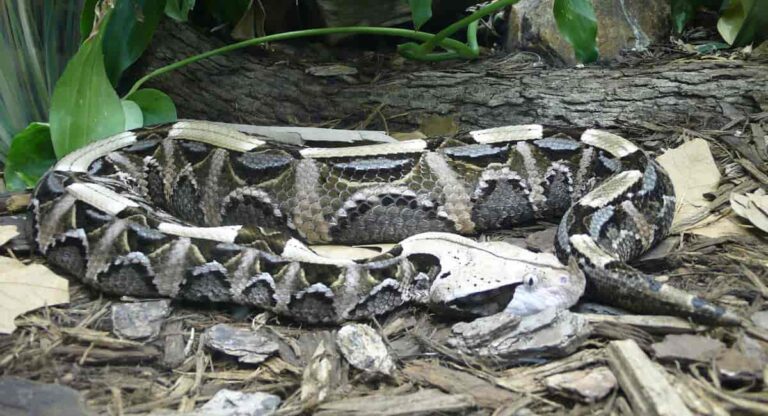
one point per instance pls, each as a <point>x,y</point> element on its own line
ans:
<point>530,280</point>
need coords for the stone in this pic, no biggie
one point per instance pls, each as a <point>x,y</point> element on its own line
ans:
<point>250,347</point>
<point>22,397</point>
<point>364,348</point>
<point>687,348</point>
<point>234,403</point>
<point>140,320</point>
<point>621,25</point>
<point>544,335</point>
<point>587,386</point>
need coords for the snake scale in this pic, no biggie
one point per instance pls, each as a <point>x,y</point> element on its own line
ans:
<point>197,211</point>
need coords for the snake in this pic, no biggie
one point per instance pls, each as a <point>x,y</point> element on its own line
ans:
<point>203,213</point>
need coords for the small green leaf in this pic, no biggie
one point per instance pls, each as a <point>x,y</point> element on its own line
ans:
<point>577,23</point>
<point>421,12</point>
<point>133,117</point>
<point>178,10</point>
<point>30,156</point>
<point>682,12</point>
<point>84,107</point>
<point>743,22</point>
<point>229,11</point>
<point>86,19</point>
<point>128,33</point>
<point>156,107</point>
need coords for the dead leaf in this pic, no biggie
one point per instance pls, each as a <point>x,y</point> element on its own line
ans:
<point>24,288</point>
<point>693,172</point>
<point>7,232</point>
<point>752,207</point>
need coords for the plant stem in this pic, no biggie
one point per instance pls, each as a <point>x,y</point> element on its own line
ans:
<point>441,36</point>
<point>455,46</point>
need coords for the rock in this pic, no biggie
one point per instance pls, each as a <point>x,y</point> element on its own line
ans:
<point>364,349</point>
<point>140,319</point>
<point>760,319</point>
<point>234,403</point>
<point>251,347</point>
<point>745,361</point>
<point>620,25</point>
<point>24,397</point>
<point>543,335</point>
<point>688,348</point>
<point>584,385</point>
<point>542,241</point>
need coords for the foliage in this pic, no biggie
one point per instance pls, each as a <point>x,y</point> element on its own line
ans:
<point>421,12</point>
<point>30,155</point>
<point>178,10</point>
<point>36,40</point>
<point>741,21</point>
<point>84,106</point>
<point>577,23</point>
<point>132,23</point>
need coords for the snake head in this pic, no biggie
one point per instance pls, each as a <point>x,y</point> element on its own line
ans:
<point>479,279</point>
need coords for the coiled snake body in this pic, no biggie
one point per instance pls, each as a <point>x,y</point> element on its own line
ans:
<point>200,212</point>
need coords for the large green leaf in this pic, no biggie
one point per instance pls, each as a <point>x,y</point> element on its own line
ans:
<point>577,23</point>
<point>84,107</point>
<point>128,33</point>
<point>30,156</point>
<point>86,19</point>
<point>133,117</point>
<point>684,10</point>
<point>229,11</point>
<point>743,22</point>
<point>178,10</point>
<point>156,107</point>
<point>421,12</point>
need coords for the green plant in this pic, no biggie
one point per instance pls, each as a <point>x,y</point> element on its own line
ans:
<point>742,22</point>
<point>36,40</point>
<point>85,106</point>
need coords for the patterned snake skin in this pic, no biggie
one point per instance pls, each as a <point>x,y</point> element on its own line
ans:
<point>199,212</point>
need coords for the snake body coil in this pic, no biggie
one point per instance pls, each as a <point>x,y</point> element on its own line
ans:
<point>200,212</point>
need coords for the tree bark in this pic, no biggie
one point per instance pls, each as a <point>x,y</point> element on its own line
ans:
<point>256,87</point>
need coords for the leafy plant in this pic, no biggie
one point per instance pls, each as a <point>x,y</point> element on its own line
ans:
<point>30,155</point>
<point>36,40</point>
<point>741,21</point>
<point>85,107</point>
<point>577,23</point>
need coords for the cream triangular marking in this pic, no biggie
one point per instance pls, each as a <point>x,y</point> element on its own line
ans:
<point>81,159</point>
<point>407,146</point>
<point>585,245</point>
<point>224,234</point>
<point>100,197</point>
<point>611,143</point>
<point>215,135</point>
<point>611,189</point>
<point>508,134</point>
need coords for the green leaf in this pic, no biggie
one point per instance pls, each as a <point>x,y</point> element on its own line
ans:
<point>229,11</point>
<point>84,107</point>
<point>156,107</point>
<point>128,33</point>
<point>133,117</point>
<point>743,22</point>
<point>86,19</point>
<point>577,23</point>
<point>421,12</point>
<point>178,10</point>
<point>682,12</point>
<point>30,156</point>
